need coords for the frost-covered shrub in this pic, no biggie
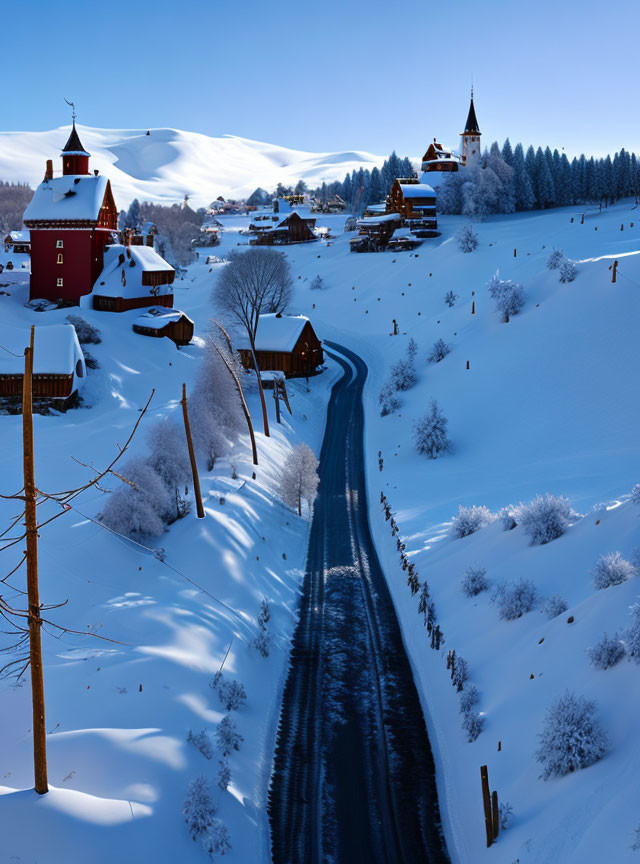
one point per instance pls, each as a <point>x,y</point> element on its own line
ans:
<point>635,846</point>
<point>611,569</point>
<point>545,518</point>
<point>137,507</point>
<point>467,239</point>
<point>169,458</point>
<point>460,673</point>
<point>430,433</point>
<point>469,520</point>
<point>571,738</point>
<point>403,374</point>
<point>607,652</point>
<point>317,284</point>
<point>514,599</point>
<point>473,725</point>
<point>299,479</point>
<point>262,643</point>
<point>412,350</point>
<point>635,494</point>
<point>474,581</point>
<point>567,270</point>
<point>199,809</point>
<point>389,402</point>
<point>227,736</point>
<point>439,351</point>
<point>469,698</point>
<point>508,296</point>
<point>87,334</point>
<point>555,259</point>
<point>224,775</point>
<point>201,742</point>
<point>231,694</point>
<point>450,299</point>
<point>554,605</point>
<point>216,840</point>
<point>632,636</point>
<point>508,519</point>
<point>505,814</point>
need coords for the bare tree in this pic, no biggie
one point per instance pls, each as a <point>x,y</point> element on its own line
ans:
<point>252,283</point>
<point>299,477</point>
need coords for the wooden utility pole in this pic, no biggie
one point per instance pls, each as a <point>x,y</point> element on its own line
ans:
<point>35,621</point>
<point>276,397</point>
<point>192,457</point>
<point>486,800</point>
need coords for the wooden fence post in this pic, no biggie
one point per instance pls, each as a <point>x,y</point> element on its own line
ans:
<point>473,307</point>
<point>515,253</point>
<point>614,275</point>
<point>276,393</point>
<point>486,801</point>
<point>495,815</point>
<point>192,457</point>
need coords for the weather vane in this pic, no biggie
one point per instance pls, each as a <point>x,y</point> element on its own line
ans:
<point>73,109</point>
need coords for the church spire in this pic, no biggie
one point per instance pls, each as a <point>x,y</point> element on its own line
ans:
<point>471,127</point>
<point>75,159</point>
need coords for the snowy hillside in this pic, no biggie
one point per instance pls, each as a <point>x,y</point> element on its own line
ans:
<point>168,164</point>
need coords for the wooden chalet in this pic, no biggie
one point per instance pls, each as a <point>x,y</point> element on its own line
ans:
<point>284,343</point>
<point>59,369</point>
<point>414,201</point>
<point>292,229</point>
<point>159,322</point>
<point>133,277</point>
<point>440,159</point>
<point>375,232</point>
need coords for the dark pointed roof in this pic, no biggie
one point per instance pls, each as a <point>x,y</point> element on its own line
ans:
<point>74,144</point>
<point>471,126</point>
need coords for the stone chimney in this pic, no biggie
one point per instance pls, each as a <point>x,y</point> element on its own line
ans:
<point>48,171</point>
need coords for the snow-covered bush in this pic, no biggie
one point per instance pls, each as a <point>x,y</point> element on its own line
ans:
<point>137,507</point>
<point>514,599</point>
<point>403,374</point>
<point>389,402</point>
<point>216,840</point>
<point>545,518</point>
<point>554,605</point>
<point>467,239</point>
<point>505,815</point>
<point>227,736</point>
<point>507,518</point>
<point>199,809</point>
<point>439,351</point>
<point>231,694</point>
<point>571,738</point>
<point>450,299</point>
<point>224,775</point>
<point>555,259</point>
<point>611,569</point>
<point>412,350</point>
<point>87,334</point>
<point>607,652</point>
<point>201,742</point>
<point>469,698</point>
<point>430,433</point>
<point>299,479</point>
<point>262,643</point>
<point>317,284</point>
<point>169,458</point>
<point>264,616</point>
<point>632,636</point>
<point>460,673</point>
<point>635,494</point>
<point>508,296</point>
<point>473,725</point>
<point>469,520</point>
<point>474,581</point>
<point>567,270</point>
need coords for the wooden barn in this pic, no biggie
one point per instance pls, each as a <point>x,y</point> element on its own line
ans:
<point>59,369</point>
<point>414,201</point>
<point>133,277</point>
<point>284,343</point>
<point>292,229</point>
<point>159,321</point>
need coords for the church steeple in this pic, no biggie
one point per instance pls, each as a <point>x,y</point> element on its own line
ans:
<point>75,159</point>
<point>471,135</point>
<point>471,127</point>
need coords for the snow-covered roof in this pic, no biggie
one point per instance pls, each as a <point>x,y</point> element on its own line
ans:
<point>276,332</point>
<point>158,317</point>
<point>56,350</point>
<point>70,197</point>
<point>416,190</point>
<point>377,220</point>
<point>19,236</point>
<point>141,259</point>
<point>376,208</point>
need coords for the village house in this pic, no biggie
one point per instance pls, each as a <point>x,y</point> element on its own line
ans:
<point>284,343</point>
<point>133,277</point>
<point>375,232</point>
<point>16,251</point>
<point>439,161</point>
<point>158,322</point>
<point>294,228</point>
<point>59,368</point>
<point>414,201</point>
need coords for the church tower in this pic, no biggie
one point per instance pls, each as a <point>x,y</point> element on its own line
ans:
<point>471,136</point>
<point>75,159</point>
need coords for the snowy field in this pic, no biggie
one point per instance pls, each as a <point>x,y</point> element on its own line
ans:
<point>549,404</point>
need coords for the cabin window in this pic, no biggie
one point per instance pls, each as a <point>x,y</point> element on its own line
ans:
<point>60,282</point>
<point>60,258</point>
<point>59,244</point>
<point>79,369</point>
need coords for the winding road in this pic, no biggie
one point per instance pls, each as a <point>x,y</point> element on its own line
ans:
<point>353,779</point>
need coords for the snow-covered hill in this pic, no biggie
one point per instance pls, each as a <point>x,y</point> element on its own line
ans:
<point>166,164</point>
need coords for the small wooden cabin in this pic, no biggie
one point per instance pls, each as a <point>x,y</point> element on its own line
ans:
<point>58,363</point>
<point>133,277</point>
<point>375,232</point>
<point>414,201</point>
<point>440,158</point>
<point>158,322</point>
<point>285,343</point>
<point>292,229</point>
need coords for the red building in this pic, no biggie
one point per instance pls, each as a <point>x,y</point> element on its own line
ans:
<point>71,219</point>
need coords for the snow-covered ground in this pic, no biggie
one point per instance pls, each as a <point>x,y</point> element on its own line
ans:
<point>119,713</point>
<point>549,404</point>
<point>167,164</point>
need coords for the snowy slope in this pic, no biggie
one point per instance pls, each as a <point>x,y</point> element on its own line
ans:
<point>169,163</point>
<point>549,403</point>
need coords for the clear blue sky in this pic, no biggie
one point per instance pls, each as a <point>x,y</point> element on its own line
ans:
<point>331,75</point>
